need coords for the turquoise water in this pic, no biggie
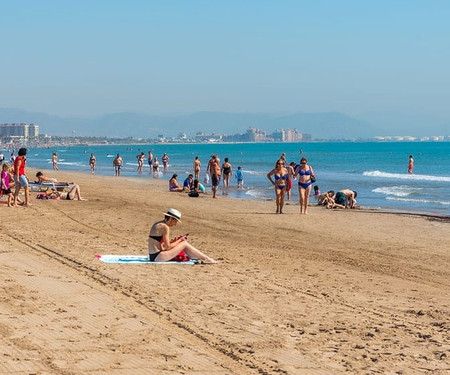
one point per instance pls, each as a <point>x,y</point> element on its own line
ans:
<point>377,171</point>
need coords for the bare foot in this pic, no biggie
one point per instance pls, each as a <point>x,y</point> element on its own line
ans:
<point>209,261</point>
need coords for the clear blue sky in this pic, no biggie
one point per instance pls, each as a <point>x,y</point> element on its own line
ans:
<point>87,58</point>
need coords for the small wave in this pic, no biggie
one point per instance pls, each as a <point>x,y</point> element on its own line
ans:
<point>76,163</point>
<point>445,203</point>
<point>405,176</point>
<point>397,191</point>
<point>255,193</point>
<point>255,173</point>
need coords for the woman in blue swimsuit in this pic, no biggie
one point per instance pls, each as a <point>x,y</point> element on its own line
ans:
<point>162,249</point>
<point>280,174</point>
<point>303,172</point>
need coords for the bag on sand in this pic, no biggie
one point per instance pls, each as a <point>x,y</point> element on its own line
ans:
<point>181,257</point>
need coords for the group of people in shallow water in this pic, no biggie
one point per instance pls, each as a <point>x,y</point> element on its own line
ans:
<point>214,173</point>
<point>282,175</point>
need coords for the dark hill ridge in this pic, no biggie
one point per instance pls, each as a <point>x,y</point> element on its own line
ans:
<point>322,125</point>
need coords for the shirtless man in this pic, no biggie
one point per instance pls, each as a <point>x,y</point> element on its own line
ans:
<point>214,171</point>
<point>345,199</point>
<point>117,163</point>
<point>42,178</point>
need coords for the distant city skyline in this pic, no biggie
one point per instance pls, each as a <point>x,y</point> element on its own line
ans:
<point>89,58</point>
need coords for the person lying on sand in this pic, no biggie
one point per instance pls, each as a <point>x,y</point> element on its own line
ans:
<point>162,249</point>
<point>73,194</point>
<point>42,178</point>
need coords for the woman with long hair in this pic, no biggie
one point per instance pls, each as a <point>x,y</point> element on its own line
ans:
<point>280,175</point>
<point>303,173</point>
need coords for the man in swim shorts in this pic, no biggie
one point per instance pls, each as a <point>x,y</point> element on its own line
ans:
<point>214,170</point>
<point>345,199</point>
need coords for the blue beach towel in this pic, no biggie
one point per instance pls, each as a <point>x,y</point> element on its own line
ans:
<point>136,259</point>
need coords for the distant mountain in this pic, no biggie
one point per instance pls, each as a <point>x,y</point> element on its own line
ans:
<point>415,125</point>
<point>323,125</point>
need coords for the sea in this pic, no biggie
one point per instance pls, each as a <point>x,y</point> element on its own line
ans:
<point>378,171</point>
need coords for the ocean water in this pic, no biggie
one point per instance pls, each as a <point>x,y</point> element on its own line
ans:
<point>377,171</point>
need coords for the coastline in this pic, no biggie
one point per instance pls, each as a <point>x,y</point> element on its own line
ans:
<point>335,291</point>
<point>338,166</point>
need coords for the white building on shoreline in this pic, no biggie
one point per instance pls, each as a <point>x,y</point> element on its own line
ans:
<point>22,131</point>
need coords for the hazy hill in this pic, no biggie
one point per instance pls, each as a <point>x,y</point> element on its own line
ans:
<point>324,125</point>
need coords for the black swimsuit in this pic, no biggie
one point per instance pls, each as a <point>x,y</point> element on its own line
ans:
<point>153,256</point>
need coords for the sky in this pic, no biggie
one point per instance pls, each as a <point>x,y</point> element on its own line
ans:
<point>88,58</point>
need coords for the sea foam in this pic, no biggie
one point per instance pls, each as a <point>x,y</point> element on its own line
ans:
<point>405,176</point>
<point>397,191</point>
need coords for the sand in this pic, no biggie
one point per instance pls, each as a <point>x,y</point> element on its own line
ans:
<point>331,292</point>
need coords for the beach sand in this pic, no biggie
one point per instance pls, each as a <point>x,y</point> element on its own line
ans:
<point>331,292</point>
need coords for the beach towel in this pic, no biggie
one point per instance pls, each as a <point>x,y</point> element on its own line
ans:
<point>137,259</point>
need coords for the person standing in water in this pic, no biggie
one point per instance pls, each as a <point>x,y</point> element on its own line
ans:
<point>55,161</point>
<point>410,164</point>
<point>92,163</point>
<point>197,166</point>
<point>227,171</point>
<point>165,161</point>
<point>118,163</point>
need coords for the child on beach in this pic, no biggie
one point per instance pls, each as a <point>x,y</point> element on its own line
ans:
<point>316,192</point>
<point>240,178</point>
<point>5,186</point>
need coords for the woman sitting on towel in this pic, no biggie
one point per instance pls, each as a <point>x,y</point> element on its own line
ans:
<point>161,249</point>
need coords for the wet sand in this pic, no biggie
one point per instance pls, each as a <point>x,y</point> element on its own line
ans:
<point>331,292</point>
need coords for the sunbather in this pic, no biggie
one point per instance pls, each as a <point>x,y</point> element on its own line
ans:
<point>161,249</point>
<point>42,178</point>
<point>73,194</point>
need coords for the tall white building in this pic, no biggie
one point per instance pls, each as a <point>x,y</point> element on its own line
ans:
<point>21,130</point>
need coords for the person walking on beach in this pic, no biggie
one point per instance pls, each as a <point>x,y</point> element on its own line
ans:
<point>226,171</point>
<point>280,174</point>
<point>150,161</point>
<point>55,161</point>
<point>197,166</point>
<point>165,161</point>
<point>410,164</point>
<point>92,163</point>
<point>214,170</point>
<point>20,178</point>
<point>162,249</point>
<point>118,163</point>
<point>304,172</point>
